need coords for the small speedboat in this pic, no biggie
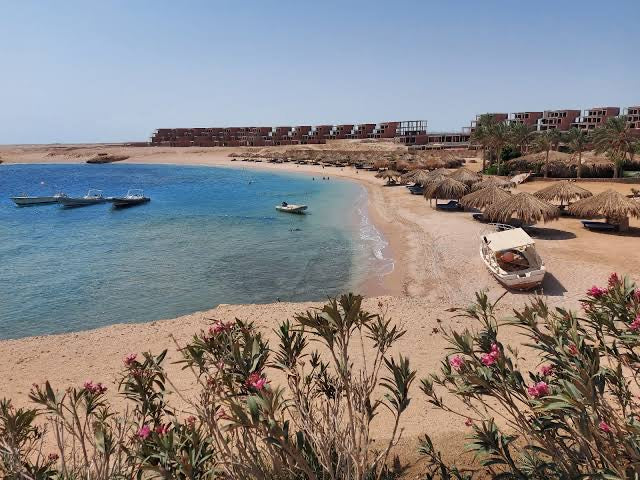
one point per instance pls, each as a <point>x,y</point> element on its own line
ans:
<point>510,255</point>
<point>133,197</point>
<point>290,208</point>
<point>29,201</point>
<point>92,197</point>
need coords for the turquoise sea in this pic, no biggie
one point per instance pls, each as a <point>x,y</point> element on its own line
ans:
<point>208,236</point>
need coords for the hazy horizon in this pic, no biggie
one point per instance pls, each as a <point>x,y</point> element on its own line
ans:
<point>110,72</point>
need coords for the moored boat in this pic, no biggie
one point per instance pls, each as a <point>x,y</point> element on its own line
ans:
<point>133,197</point>
<point>511,256</point>
<point>92,197</point>
<point>29,201</point>
<point>285,207</point>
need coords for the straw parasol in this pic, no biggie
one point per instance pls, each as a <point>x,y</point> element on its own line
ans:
<point>466,176</point>
<point>484,198</point>
<point>410,175</point>
<point>523,206</point>
<point>445,188</point>
<point>564,191</point>
<point>609,204</point>
<point>491,182</point>
<point>389,175</point>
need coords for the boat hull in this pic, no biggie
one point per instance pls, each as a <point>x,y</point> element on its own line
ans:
<point>32,201</point>
<point>292,208</point>
<point>129,202</point>
<point>526,280</point>
<point>80,202</point>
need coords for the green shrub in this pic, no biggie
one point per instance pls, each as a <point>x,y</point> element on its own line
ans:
<point>576,417</point>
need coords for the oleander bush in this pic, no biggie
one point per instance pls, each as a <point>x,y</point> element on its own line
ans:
<point>576,416</point>
<point>239,424</point>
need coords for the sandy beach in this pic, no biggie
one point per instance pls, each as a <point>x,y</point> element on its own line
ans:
<point>436,266</point>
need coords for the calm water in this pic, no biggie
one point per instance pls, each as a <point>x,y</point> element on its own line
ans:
<point>208,236</point>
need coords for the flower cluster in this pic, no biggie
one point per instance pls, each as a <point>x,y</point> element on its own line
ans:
<point>596,292</point>
<point>456,362</point>
<point>546,370</point>
<point>539,389</point>
<point>635,325</point>
<point>95,388</point>
<point>256,380</point>
<point>490,358</point>
<point>129,360</point>
<point>144,432</point>
<point>219,327</point>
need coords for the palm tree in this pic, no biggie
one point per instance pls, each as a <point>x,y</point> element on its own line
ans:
<point>481,136</point>
<point>577,140</point>
<point>543,143</point>
<point>521,136</point>
<point>616,140</point>
<point>499,135</point>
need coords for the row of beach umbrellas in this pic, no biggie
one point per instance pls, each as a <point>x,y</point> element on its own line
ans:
<point>489,194</point>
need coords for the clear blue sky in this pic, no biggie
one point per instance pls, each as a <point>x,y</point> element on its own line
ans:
<point>84,71</point>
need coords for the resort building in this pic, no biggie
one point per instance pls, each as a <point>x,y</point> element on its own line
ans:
<point>595,117</point>
<point>412,133</point>
<point>633,117</point>
<point>443,140</point>
<point>561,120</point>
<point>529,119</point>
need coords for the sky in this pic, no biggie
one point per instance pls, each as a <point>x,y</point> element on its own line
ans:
<point>110,71</point>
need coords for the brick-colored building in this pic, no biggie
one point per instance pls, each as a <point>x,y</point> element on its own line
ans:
<point>529,119</point>
<point>633,117</point>
<point>595,117</point>
<point>561,120</point>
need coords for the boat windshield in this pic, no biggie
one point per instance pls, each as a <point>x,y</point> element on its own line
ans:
<point>93,193</point>
<point>135,193</point>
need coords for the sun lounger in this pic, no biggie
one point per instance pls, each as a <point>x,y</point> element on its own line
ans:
<point>452,206</point>
<point>600,226</point>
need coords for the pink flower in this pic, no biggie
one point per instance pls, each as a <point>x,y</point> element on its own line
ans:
<point>573,350</point>
<point>468,422</point>
<point>604,426</point>
<point>256,381</point>
<point>613,279</point>
<point>129,359</point>
<point>596,292</point>
<point>546,369</point>
<point>219,327</point>
<point>637,295</point>
<point>191,421</point>
<point>144,432</point>
<point>95,388</point>
<point>490,358</point>
<point>456,362</point>
<point>53,457</point>
<point>537,390</point>
<point>162,429</point>
<point>635,325</point>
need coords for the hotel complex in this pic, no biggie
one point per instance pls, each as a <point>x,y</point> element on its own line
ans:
<point>412,133</point>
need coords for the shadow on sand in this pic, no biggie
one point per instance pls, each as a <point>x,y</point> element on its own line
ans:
<point>551,287</point>
<point>550,233</point>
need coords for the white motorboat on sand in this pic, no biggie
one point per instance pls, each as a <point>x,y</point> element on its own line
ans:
<point>511,256</point>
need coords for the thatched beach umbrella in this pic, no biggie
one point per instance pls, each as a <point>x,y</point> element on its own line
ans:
<point>491,182</point>
<point>466,176</point>
<point>564,191</point>
<point>446,188</point>
<point>523,206</point>
<point>484,198</point>
<point>610,204</point>
<point>411,175</point>
<point>389,175</point>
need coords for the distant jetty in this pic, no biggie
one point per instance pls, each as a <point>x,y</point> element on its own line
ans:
<point>107,158</point>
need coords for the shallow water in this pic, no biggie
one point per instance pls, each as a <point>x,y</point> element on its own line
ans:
<point>208,236</point>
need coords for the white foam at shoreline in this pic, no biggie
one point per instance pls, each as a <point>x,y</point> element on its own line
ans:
<point>373,238</point>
